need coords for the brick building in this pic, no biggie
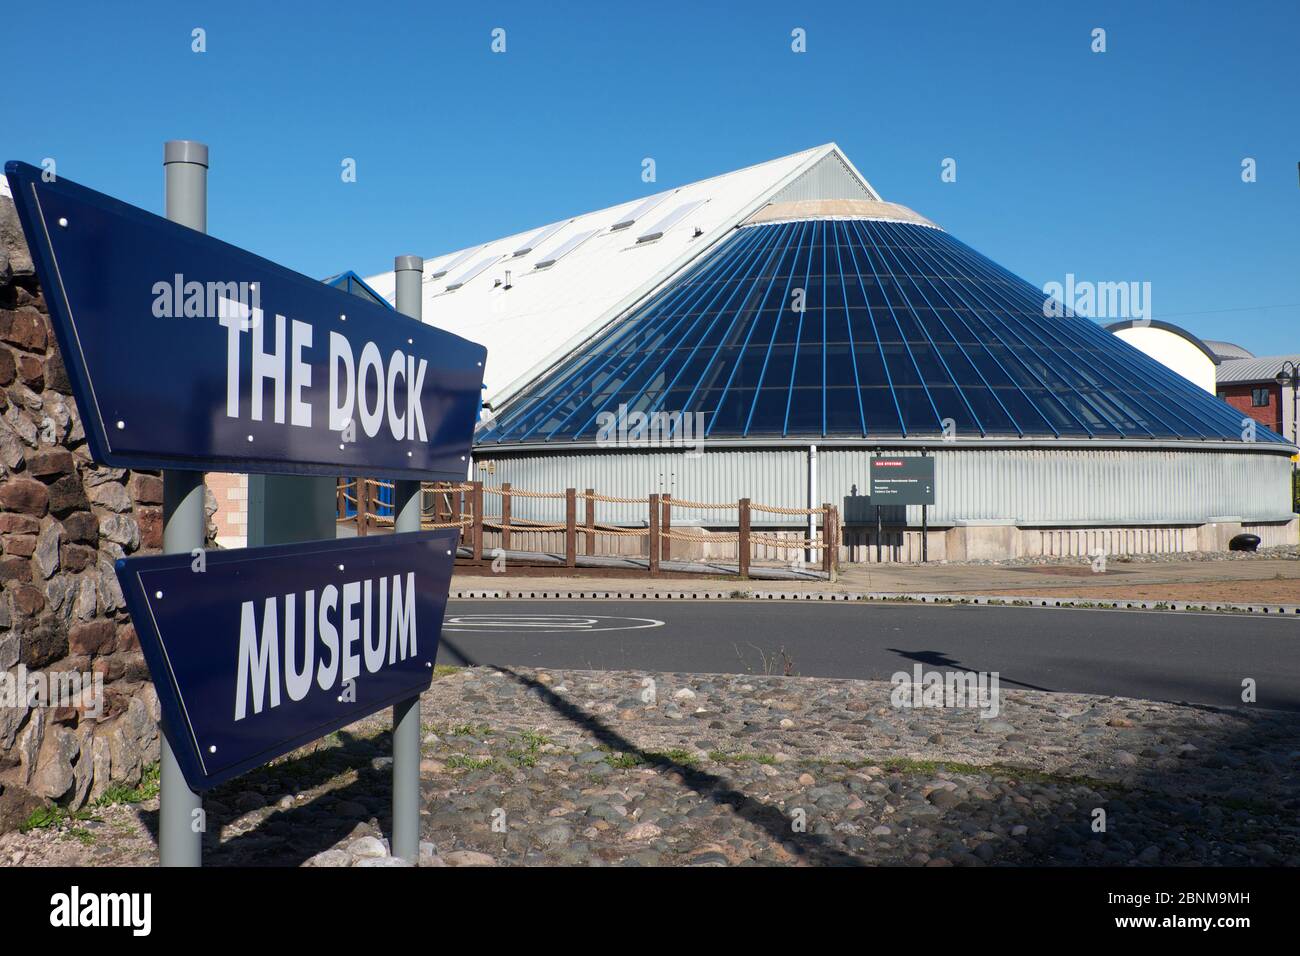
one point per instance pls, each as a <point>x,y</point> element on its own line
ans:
<point>1251,386</point>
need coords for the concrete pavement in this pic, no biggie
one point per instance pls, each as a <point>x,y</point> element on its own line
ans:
<point>1242,580</point>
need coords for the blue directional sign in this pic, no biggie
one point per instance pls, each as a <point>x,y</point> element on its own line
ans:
<point>256,652</point>
<point>187,352</point>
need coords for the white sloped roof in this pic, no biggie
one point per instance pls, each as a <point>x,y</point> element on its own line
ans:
<point>548,311</point>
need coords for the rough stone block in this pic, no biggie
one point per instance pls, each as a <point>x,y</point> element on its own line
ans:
<point>24,328</point>
<point>93,637</point>
<point>43,644</point>
<point>111,495</point>
<point>24,495</point>
<point>20,545</point>
<point>66,496</point>
<point>81,527</point>
<point>147,489</point>
<point>77,557</point>
<point>15,569</point>
<point>51,464</point>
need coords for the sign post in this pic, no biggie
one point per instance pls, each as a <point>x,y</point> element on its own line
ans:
<point>902,480</point>
<point>407,508</point>
<point>180,809</point>
<point>188,354</point>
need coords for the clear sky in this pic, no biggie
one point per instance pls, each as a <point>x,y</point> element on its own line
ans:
<point>1117,166</point>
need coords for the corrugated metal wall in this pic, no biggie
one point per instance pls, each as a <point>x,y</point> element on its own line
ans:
<point>1074,486</point>
<point>829,178</point>
<point>1025,486</point>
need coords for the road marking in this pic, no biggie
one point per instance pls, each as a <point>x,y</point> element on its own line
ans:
<point>545,623</point>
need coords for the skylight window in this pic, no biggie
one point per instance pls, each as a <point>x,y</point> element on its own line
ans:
<point>564,249</point>
<point>638,212</point>
<point>465,277</point>
<point>444,269</point>
<point>672,219</point>
<point>538,239</point>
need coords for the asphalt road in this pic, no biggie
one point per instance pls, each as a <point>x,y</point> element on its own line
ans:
<point>1201,658</point>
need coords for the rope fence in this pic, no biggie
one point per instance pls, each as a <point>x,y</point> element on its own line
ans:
<point>367,503</point>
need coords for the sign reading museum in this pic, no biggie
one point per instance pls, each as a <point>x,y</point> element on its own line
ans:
<point>255,652</point>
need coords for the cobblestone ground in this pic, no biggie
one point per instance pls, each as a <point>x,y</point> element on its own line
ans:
<point>526,767</point>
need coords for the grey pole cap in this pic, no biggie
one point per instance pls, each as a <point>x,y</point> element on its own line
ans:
<point>408,264</point>
<point>185,151</point>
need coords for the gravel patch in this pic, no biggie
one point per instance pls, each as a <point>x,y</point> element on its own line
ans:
<point>528,767</point>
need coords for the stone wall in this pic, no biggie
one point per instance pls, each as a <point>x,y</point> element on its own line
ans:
<point>63,522</point>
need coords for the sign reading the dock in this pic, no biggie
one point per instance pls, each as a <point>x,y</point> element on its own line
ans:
<point>902,480</point>
<point>188,352</point>
<point>264,650</point>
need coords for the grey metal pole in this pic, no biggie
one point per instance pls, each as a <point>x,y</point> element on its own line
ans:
<point>925,528</point>
<point>180,835</point>
<point>407,497</point>
<point>812,501</point>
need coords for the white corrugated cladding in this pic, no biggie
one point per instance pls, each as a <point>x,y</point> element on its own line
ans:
<point>1063,486</point>
<point>547,312</point>
<point>1053,487</point>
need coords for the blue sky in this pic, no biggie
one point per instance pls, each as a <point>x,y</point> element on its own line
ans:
<point>1115,166</point>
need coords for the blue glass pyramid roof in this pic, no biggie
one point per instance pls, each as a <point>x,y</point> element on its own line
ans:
<point>862,328</point>
<point>351,282</point>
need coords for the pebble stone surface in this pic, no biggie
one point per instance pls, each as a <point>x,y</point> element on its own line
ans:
<point>528,767</point>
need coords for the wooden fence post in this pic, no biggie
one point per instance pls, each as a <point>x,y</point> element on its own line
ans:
<point>590,521</point>
<point>363,505</point>
<point>342,505</point>
<point>570,528</point>
<point>742,543</point>
<point>456,512</point>
<point>476,502</point>
<point>654,535</point>
<point>838,531</point>
<point>665,526</point>
<point>828,537</point>
<point>505,516</point>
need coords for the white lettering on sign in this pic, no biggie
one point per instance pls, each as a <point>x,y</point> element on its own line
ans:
<point>277,362</point>
<point>377,625</point>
